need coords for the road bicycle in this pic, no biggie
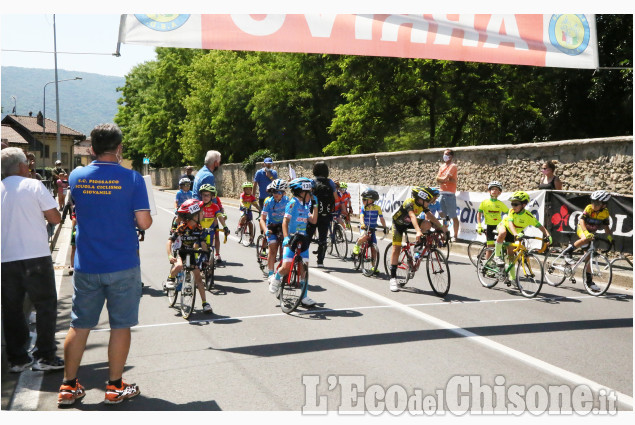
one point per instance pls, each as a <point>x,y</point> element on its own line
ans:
<point>245,237</point>
<point>294,284</point>
<point>365,259</point>
<point>184,284</point>
<point>529,270</point>
<point>409,260</point>
<point>262,251</point>
<point>601,268</point>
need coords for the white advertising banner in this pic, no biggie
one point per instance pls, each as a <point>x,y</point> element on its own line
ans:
<point>467,204</point>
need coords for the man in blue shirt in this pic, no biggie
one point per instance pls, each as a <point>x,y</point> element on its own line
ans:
<point>111,202</point>
<point>206,174</point>
<point>263,177</point>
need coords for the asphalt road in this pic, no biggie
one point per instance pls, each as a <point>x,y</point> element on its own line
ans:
<point>249,356</point>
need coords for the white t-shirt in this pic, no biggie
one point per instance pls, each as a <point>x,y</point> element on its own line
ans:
<point>24,233</point>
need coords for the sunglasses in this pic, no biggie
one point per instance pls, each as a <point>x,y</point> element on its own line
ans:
<point>516,204</point>
<point>278,192</point>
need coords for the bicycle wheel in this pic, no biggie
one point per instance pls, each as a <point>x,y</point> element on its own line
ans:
<point>602,271</point>
<point>387,256</point>
<point>529,275</point>
<point>438,272</point>
<point>209,270</point>
<point>262,252</point>
<point>292,289</point>
<point>486,269</point>
<point>246,236</point>
<point>173,294</point>
<point>369,262</point>
<point>340,242</point>
<point>403,267</point>
<point>555,270</point>
<point>357,259</point>
<point>473,250</point>
<point>188,295</point>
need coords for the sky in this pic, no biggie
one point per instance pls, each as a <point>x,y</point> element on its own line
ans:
<point>94,36</point>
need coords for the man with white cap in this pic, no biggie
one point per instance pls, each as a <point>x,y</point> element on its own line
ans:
<point>263,177</point>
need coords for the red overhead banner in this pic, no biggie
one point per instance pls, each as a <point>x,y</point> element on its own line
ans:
<point>540,40</point>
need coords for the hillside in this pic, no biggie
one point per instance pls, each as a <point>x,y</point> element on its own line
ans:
<point>83,103</point>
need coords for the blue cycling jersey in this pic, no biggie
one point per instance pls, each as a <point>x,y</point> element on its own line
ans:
<point>298,215</point>
<point>182,196</point>
<point>274,211</point>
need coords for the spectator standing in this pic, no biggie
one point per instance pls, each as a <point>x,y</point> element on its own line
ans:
<point>188,175</point>
<point>548,180</point>
<point>447,178</point>
<point>27,266</point>
<point>62,189</point>
<point>106,262</point>
<point>263,178</point>
<point>32,171</point>
<point>206,174</point>
<point>325,198</point>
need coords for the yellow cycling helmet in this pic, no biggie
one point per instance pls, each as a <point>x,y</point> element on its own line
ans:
<point>248,184</point>
<point>520,196</point>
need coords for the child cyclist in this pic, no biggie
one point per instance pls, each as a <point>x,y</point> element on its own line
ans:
<point>403,219</point>
<point>211,215</point>
<point>296,216</point>
<point>512,226</point>
<point>343,203</point>
<point>184,192</point>
<point>427,219</point>
<point>188,234</point>
<point>273,210</point>
<point>594,216</point>
<point>216,200</point>
<point>368,219</point>
<point>247,200</point>
<point>493,211</point>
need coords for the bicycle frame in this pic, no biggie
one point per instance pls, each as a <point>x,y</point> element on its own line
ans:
<point>570,271</point>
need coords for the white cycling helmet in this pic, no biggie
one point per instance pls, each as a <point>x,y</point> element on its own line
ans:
<point>495,183</point>
<point>600,195</point>
<point>185,180</point>
<point>278,184</point>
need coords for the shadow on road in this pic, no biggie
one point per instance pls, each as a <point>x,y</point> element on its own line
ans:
<point>305,346</point>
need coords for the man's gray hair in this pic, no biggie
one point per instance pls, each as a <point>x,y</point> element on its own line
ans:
<point>105,138</point>
<point>11,159</point>
<point>211,157</point>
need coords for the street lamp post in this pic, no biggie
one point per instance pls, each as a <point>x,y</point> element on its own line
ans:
<point>44,112</point>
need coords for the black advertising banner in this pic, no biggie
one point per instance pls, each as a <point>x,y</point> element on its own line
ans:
<point>564,209</point>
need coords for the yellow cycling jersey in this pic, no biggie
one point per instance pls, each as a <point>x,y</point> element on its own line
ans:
<point>594,219</point>
<point>520,220</point>
<point>401,216</point>
<point>493,210</point>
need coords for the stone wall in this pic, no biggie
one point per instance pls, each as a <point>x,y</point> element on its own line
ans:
<point>583,165</point>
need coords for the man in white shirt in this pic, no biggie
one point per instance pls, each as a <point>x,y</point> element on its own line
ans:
<point>27,266</point>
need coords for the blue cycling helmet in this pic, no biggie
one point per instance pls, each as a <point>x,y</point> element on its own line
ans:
<point>435,191</point>
<point>300,184</point>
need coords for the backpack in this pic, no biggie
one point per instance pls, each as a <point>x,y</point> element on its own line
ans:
<point>324,194</point>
